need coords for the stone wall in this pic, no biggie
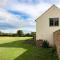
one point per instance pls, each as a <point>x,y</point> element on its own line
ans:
<point>56,37</point>
<point>39,43</point>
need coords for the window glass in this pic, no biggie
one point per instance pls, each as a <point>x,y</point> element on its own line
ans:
<point>53,21</point>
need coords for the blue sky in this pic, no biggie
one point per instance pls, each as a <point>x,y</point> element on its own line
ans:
<point>21,14</point>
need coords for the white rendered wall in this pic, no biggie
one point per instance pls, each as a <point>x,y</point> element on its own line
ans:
<point>43,30</point>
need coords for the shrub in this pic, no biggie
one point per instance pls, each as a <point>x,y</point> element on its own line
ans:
<point>45,44</point>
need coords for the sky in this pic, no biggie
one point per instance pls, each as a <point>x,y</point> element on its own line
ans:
<point>21,14</point>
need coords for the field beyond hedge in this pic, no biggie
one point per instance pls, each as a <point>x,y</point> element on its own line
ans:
<point>21,48</point>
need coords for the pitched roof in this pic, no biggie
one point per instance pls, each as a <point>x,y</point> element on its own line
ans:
<point>47,10</point>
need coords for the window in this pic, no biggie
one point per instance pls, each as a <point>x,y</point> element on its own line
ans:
<point>53,21</point>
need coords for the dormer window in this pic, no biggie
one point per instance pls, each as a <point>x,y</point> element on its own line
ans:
<point>53,21</point>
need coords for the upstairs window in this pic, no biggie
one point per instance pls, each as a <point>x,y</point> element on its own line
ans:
<point>53,21</point>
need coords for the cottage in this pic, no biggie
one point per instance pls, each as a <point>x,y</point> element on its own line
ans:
<point>48,23</point>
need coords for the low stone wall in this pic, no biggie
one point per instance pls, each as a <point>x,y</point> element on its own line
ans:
<point>39,43</point>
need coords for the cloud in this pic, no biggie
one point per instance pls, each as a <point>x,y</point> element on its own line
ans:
<point>21,14</point>
<point>29,2</point>
<point>9,21</point>
<point>3,3</point>
<point>32,10</point>
<point>4,25</point>
<point>7,18</point>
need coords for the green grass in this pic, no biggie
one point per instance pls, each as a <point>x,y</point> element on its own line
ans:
<point>16,48</point>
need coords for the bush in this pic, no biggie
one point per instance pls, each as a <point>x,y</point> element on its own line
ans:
<point>45,44</point>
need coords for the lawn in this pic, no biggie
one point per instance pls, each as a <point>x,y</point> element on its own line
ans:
<point>18,48</point>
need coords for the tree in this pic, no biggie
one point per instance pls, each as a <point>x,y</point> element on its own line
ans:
<point>20,33</point>
<point>28,34</point>
<point>33,33</point>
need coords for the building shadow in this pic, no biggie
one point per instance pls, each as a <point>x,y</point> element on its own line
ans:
<point>19,44</point>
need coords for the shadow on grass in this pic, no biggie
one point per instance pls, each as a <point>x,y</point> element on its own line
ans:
<point>19,44</point>
<point>32,52</point>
